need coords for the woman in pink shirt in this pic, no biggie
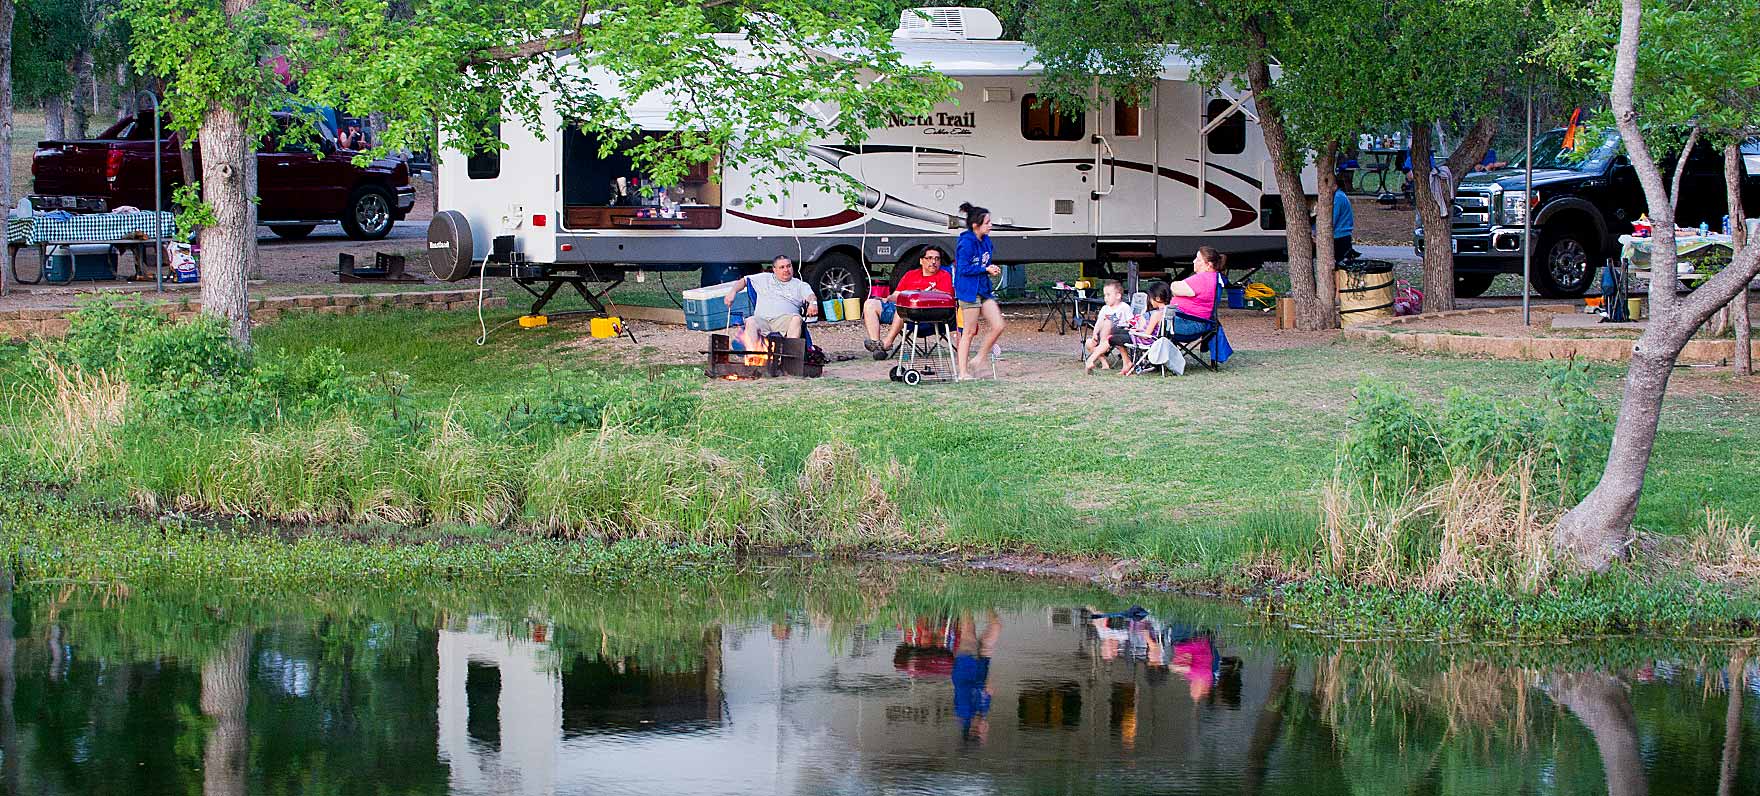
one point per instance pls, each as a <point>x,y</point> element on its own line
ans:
<point>1195,295</point>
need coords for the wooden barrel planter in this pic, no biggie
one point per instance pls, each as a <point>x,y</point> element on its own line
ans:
<point>1365,291</point>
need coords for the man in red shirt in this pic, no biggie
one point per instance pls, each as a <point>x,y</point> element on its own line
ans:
<point>927,276</point>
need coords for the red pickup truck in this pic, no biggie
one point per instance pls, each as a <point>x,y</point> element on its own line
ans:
<point>302,180</point>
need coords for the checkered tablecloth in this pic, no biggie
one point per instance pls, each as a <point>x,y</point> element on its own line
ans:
<point>89,227</point>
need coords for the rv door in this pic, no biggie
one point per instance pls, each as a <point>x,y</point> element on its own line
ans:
<point>1126,170</point>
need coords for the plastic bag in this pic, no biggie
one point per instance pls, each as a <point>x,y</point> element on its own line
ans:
<point>182,263</point>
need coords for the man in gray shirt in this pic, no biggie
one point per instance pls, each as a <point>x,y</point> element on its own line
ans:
<point>782,300</point>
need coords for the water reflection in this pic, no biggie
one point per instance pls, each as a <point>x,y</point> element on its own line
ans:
<point>805,680</point>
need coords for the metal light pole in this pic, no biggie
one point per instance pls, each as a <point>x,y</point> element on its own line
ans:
<point>1528,212</point>
<point>158,197</point>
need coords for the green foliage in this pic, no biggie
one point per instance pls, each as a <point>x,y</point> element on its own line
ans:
<point>662,402</point>
<point>191,373</point>
<point>1397,445</point>
<point>192,212</point>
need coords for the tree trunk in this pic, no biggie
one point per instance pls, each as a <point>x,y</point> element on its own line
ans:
<point>1738,228</point>
<point>1289,184</point>
<point>128,93</point>
<point>82,91</point>
<point>11,767</point>
<point>1438,236</point>
<point>1266,729</point>
<point>1325,255</point>
<point>1599,529</point>
<point>55,118</point>
<point>225,692</point>
<point>1600,702</point>
<point>1732,725</point>
<point>229,246</point>
<point>7,12</point>
<point>103,97</point>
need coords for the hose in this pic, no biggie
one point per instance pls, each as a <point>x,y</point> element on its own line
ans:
<point>1259,291</point>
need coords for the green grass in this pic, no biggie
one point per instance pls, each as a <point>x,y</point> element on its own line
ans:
<point>1200,477</point>
<point>1196,469</point>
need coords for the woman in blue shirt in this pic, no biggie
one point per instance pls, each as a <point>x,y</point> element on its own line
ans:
<point>972,271</point>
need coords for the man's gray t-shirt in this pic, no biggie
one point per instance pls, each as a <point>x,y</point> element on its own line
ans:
<point>777,298</point>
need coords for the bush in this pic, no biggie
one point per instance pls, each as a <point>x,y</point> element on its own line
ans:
<point>1467,490</point>
<point>193,373</point>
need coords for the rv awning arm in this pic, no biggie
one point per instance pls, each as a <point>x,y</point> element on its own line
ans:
<point>1238,106</point>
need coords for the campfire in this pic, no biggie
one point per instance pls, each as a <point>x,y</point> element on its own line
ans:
<point>785,357</point>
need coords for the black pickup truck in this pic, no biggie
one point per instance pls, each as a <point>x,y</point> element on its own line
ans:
<point>1582,202</point>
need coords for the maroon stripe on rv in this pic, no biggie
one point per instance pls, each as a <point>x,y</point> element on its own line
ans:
<point>1240,213</point>
<point>834,220</point>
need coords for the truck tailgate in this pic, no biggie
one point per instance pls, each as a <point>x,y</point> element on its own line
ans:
<point>71,168</point>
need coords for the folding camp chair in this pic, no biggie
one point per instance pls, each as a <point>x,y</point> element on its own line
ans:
<point>736,320</point>
<point>1201,338</point>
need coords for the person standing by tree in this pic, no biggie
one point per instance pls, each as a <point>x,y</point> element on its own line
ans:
<point>1344,222</point>
<point>972,272</point>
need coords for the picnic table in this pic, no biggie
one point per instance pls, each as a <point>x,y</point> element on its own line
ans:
<point>47,230</point>
<point>1698,254</point>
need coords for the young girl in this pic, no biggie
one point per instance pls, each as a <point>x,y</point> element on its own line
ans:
<point>1146,327</point>
<point>1109,326</point>
<point>972,271</point>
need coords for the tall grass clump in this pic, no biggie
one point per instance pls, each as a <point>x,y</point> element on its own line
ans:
<point>611,483</point>
<point>1430,495</point>
<point>841,502</point>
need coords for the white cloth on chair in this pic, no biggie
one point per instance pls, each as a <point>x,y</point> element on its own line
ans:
<point>1166,354</point>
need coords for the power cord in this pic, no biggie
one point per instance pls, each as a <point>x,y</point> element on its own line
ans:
<point>482,291</point>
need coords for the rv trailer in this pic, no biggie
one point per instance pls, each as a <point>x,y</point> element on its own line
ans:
<point>1145,184</point>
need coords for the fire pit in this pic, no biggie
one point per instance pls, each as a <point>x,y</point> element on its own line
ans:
<point>781,357</point>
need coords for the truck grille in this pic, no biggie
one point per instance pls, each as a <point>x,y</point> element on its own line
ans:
<point>1472,213</point>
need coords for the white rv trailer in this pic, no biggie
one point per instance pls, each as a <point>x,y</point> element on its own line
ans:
<point>1148,183</point>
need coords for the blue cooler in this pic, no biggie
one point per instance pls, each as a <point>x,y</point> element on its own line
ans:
<point>705,308</point>
<point>87,263</point>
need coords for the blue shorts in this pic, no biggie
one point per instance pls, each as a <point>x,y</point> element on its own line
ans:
<point>887,310</point>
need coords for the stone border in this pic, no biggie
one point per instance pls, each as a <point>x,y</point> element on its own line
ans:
<point>1600,349</point>
<point>52,322</point>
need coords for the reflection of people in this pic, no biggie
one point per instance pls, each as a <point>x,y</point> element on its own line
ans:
<point>781,303</point>
<point>971,675</point>
<point>927,276</point>
<point>972,271</point>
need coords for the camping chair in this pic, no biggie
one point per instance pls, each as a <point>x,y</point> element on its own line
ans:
<point>1202,339</point>
<point>737,320</point>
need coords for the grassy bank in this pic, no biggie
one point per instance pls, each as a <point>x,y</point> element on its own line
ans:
<point>1214,482</point>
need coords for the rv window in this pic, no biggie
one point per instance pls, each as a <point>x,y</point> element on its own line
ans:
<point>1127,119</point>
<point>1230,137</point>
<point>1040,123</point>
<point>607,191</point>
<point>485,164</point>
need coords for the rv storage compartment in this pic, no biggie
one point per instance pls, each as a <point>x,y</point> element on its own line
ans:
<point>705,308</point>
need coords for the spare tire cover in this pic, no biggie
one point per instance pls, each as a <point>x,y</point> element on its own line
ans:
<point>450,253</point>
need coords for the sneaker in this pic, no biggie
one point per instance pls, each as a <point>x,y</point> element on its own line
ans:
<point>872,345</point>
<point>880,353</point>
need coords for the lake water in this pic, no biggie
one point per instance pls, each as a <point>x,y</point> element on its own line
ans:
<point>805,678</point>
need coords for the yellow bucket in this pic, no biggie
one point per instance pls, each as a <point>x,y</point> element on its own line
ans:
<point>605,327</point>
<point>852,309</point>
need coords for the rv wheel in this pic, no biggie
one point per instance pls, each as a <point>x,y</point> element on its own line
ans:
<point>838,275</point>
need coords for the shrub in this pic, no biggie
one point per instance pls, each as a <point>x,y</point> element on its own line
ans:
<point>1466,490</point>
<point>840,502</point>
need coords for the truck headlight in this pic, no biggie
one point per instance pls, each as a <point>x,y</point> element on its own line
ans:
<point>1515,206</point>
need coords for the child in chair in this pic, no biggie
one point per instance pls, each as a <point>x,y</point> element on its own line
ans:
<point>1145,328</point>
<point>1109,326</point>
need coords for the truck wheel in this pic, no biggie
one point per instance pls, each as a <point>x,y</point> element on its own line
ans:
<point>368,216</point>
<point>1472,285</point>
<point>1566,264</point>
<point>838,275</point>
<point>292,231</point>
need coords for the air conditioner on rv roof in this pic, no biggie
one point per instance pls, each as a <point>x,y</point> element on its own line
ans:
<point>948,23</point>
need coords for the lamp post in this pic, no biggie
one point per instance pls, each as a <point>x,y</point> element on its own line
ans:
<point>1528,212</point>
<point>158,197</point>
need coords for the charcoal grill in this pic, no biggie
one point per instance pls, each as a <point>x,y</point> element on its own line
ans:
<point>924,351</point>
